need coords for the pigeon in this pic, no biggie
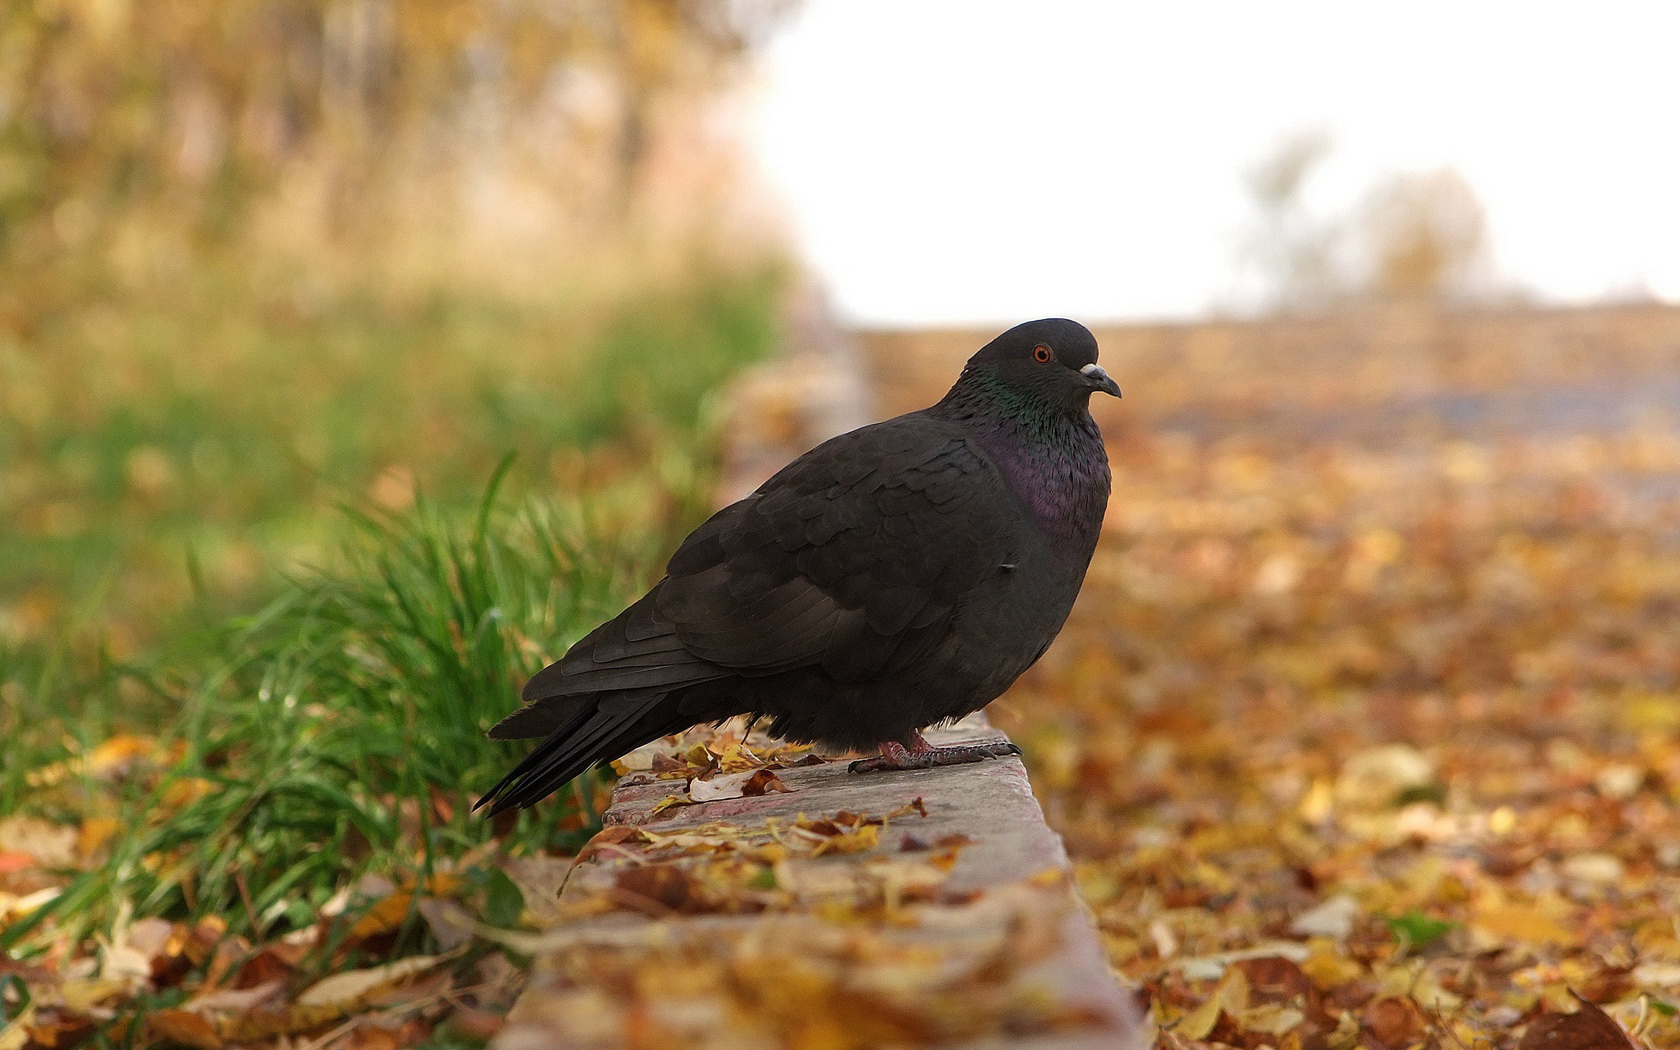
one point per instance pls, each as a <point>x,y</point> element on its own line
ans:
<point>893,578</point>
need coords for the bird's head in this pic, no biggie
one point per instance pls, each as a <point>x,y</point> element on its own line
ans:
<point>1052,362</point>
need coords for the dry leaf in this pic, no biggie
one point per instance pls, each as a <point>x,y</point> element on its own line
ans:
<point>185,1027</point>
<point>347,991</point>
<point>48,845</point>
<point>1522,922</point>
<point>1394,1022</point>
<point>1588,1028</point>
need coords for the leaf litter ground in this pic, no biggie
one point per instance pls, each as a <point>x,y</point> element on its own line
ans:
<point>1364,733</point>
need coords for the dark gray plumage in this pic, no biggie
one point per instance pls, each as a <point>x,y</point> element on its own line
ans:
<point>891,578</point>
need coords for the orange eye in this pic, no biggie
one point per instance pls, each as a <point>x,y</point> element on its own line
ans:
<point>1041,354</point>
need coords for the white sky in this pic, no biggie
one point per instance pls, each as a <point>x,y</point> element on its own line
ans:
<point>964,160</point>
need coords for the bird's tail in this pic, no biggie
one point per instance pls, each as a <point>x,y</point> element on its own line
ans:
<point>586,730</point>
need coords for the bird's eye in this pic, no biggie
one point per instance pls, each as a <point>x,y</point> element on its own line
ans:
<point>1041,354</point>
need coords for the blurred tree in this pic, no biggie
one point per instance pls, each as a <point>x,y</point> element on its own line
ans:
<point>1417,236</point>
<point>1293,252</point>
<point>183,112</point>
<point>1427,235</point>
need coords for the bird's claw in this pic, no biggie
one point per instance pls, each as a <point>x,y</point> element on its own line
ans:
<point>922,755</point>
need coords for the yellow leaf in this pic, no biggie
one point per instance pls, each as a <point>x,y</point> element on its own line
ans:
<point>736,758</point>
<point>83,996</point>
<point>1231,996</point>
<point>669,802</point>
<point>116,753</point>
<point>1328,967</point>
<point>346,991</point>
<point>1521,922</point>
<point>390,913</point>
<point>383,917</point>
<point>185,791</point>
<point>15,1036</point>
<point>864,838</point>
<point>95,833</point>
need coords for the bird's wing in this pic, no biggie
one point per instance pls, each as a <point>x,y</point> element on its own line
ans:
<point>853,557</point>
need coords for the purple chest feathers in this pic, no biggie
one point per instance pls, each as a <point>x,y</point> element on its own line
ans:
<point>1063,481</point>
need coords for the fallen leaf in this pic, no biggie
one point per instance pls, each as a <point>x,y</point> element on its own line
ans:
<point>668,803</point>
<point>47,844</point>
<point>1377,777</point>
<point>1332,918</point>
<point>1521,922</point>
<point>1417,930</point>
<point>345,991</point>
<point>116,756</point>
<point>1394,1022</point>
<point>391,912</point>
<point>94,834</point>
<point>658,888</point>
<point>234,1000</point>
<point>1230,997</point>
<point>763,782</point>
<point>185,1027</point>
<point>1588,1028</point>
<point>539,878</point>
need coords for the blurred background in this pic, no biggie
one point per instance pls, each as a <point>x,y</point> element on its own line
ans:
<point>968,162</point>
<point>1392,291</point>
<point>259,258</point>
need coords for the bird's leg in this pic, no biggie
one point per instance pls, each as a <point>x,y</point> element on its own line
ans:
<point>923,755</point>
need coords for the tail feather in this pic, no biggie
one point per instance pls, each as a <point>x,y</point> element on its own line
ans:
<point>557,714</point>
<point>614,724</point>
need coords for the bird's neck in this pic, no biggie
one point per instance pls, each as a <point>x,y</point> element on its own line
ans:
<point>1051,457</point>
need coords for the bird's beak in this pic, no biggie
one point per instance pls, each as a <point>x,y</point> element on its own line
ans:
<point>1099,379</point>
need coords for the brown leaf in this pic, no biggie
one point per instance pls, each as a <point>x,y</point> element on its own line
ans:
<point>391,912</point>
<point>57,1028</point>
<point>610,836</point>
<point>658,889</point>
<point>184,1026</point>
<point>273,962</point>
<point>955,840</point>
<point>1588,1028</point>
<point>1273,979</point>
<point>1392,1022</point>
<point>763,782</point>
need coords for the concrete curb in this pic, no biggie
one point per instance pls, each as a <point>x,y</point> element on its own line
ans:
<point>996,947</point>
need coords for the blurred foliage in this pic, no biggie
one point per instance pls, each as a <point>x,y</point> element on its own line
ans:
<point>1429,235</point>
<point>215,429</point>
<point>259,256</point>
<point>1416,237</point>
<point>1293,251</point>
<point>130,133</point>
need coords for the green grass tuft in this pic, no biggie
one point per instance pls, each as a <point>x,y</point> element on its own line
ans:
<point>339,729</point>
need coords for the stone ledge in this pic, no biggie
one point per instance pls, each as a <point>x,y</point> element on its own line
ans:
<point>986,945</point>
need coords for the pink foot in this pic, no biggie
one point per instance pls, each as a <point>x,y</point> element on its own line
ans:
<point>923,755</point>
